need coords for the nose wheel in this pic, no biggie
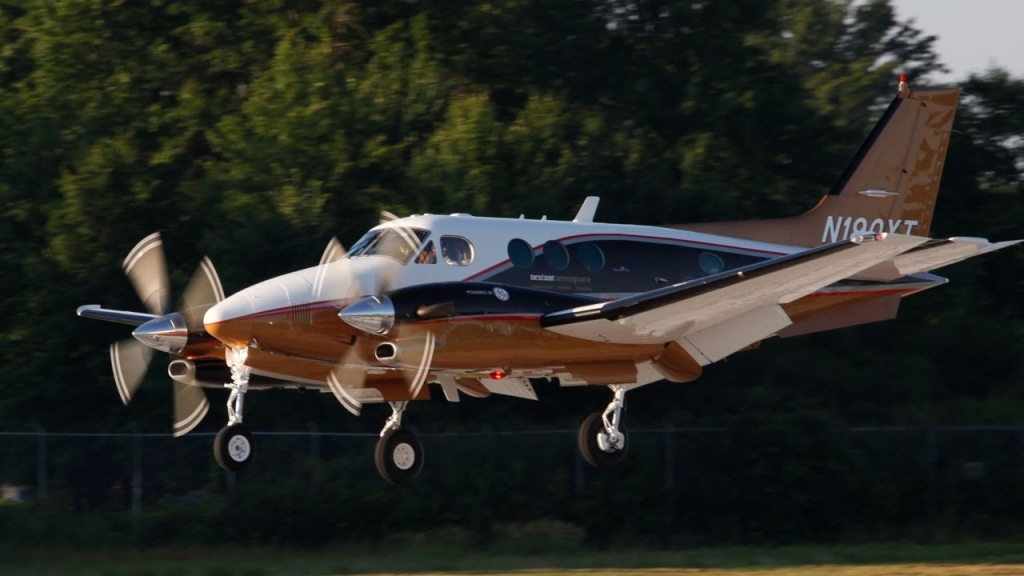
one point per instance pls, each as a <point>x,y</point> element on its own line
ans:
<point>399,453</point>
<point>234,448</point>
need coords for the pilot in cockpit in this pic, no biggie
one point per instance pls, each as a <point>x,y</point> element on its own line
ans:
<point>427,255</point>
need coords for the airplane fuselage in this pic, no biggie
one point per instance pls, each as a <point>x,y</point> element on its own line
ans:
<point>291,322</point>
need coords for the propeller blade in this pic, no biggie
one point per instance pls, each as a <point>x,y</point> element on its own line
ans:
<point>203,291</point>
<point>344,397</point>
<point>129,359</point>
<point>334,252</point>
<point>190,406</point>
<point>419,351</point>
<point>350,372</point>
<point>147,270</point>
<point>386,217</point>
<point>380,283</point>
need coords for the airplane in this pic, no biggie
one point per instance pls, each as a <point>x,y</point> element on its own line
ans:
<point>475,306</point>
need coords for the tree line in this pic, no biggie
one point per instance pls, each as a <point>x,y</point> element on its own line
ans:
<point>253,132</point>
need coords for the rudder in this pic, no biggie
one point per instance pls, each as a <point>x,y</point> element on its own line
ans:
<point>890,185</point>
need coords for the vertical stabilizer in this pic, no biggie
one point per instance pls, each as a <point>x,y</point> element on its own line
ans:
<point>890,185</point>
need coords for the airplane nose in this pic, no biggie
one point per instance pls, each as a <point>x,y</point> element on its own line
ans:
<point>168,333</point>
<point>375,314</point>
<point>227,320</point>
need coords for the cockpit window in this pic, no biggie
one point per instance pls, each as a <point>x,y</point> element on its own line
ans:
<point>456,251</point>
<point>396,243</point>
<point>427,255</point>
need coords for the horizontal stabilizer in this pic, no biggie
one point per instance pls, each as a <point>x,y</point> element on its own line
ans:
<point>97,312</point>
<point>691,308</point>
<point>935,254</point>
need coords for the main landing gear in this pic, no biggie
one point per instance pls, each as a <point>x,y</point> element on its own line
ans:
<point>602,438</point>
<point>234,447</point>
<point>399,454</point>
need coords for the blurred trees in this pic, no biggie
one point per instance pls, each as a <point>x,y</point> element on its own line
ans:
<point>254,132</point>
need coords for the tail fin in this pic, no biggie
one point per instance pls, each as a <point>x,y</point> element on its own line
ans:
<point>890,185</point>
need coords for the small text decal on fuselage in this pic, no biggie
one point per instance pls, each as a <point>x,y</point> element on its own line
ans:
<point>842,227</point>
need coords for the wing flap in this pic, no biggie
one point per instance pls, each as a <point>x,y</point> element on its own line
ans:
<point>720,340</point>
<point>673,312</point>
<point>930,256</point>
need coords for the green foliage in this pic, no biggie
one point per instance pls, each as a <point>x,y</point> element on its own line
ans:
<point>255,131</point>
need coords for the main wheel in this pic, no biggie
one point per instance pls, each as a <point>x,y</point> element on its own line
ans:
<point>399,456</point>
<point>595,446</point>
<point>234,447</point>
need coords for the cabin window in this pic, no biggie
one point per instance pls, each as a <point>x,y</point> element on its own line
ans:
<point>456,251</point>
<point>520,253</point>
<point>427,255</point>
<point>396,243</point>
<point>710,263</point>
<point>555,255</point>
<point>590,256</point>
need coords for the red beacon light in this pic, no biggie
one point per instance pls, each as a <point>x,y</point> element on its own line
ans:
<point>904,89</point>
<point>497,374</point>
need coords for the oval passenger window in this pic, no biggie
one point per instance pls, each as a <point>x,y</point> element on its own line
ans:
<point>555,255</point>
<point>520,253</point>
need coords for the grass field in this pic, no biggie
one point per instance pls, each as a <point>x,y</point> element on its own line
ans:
<point>1005,558</point>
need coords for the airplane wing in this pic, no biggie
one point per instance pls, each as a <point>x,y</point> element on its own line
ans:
<point>719,314</point>
<point>929,256</point>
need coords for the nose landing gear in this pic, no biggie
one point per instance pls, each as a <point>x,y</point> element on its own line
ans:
<point>399,453</point>
<point>234,448</point>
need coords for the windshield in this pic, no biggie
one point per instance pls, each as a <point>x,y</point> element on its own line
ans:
<point>396,243</point>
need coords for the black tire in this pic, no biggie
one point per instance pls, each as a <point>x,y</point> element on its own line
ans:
<point>234,447</point>
<point>399,456</point>
<point>592,451</point>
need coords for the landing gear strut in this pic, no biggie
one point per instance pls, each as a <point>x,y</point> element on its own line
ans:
<point>234,447</point>
<point>602,438</point>
<point>399,454</point>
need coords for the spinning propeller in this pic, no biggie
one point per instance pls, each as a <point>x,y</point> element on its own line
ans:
<point>409,354</point>
<point>168,331</point>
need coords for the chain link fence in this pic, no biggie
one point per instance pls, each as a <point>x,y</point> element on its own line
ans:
<point>688,484</point>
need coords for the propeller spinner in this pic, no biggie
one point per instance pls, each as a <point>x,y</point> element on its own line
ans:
<point>171,332</point>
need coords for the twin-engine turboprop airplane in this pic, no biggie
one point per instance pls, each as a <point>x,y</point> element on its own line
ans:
<point>479,306</point>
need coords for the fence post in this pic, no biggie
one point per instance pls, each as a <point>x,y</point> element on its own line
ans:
<point>314,441</point>
<point>670,481</point>
<point>41,464</point>
<point>932,480</point>
<point>136,483</point>
<point>1018,457</point>
<point>580,480</point>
